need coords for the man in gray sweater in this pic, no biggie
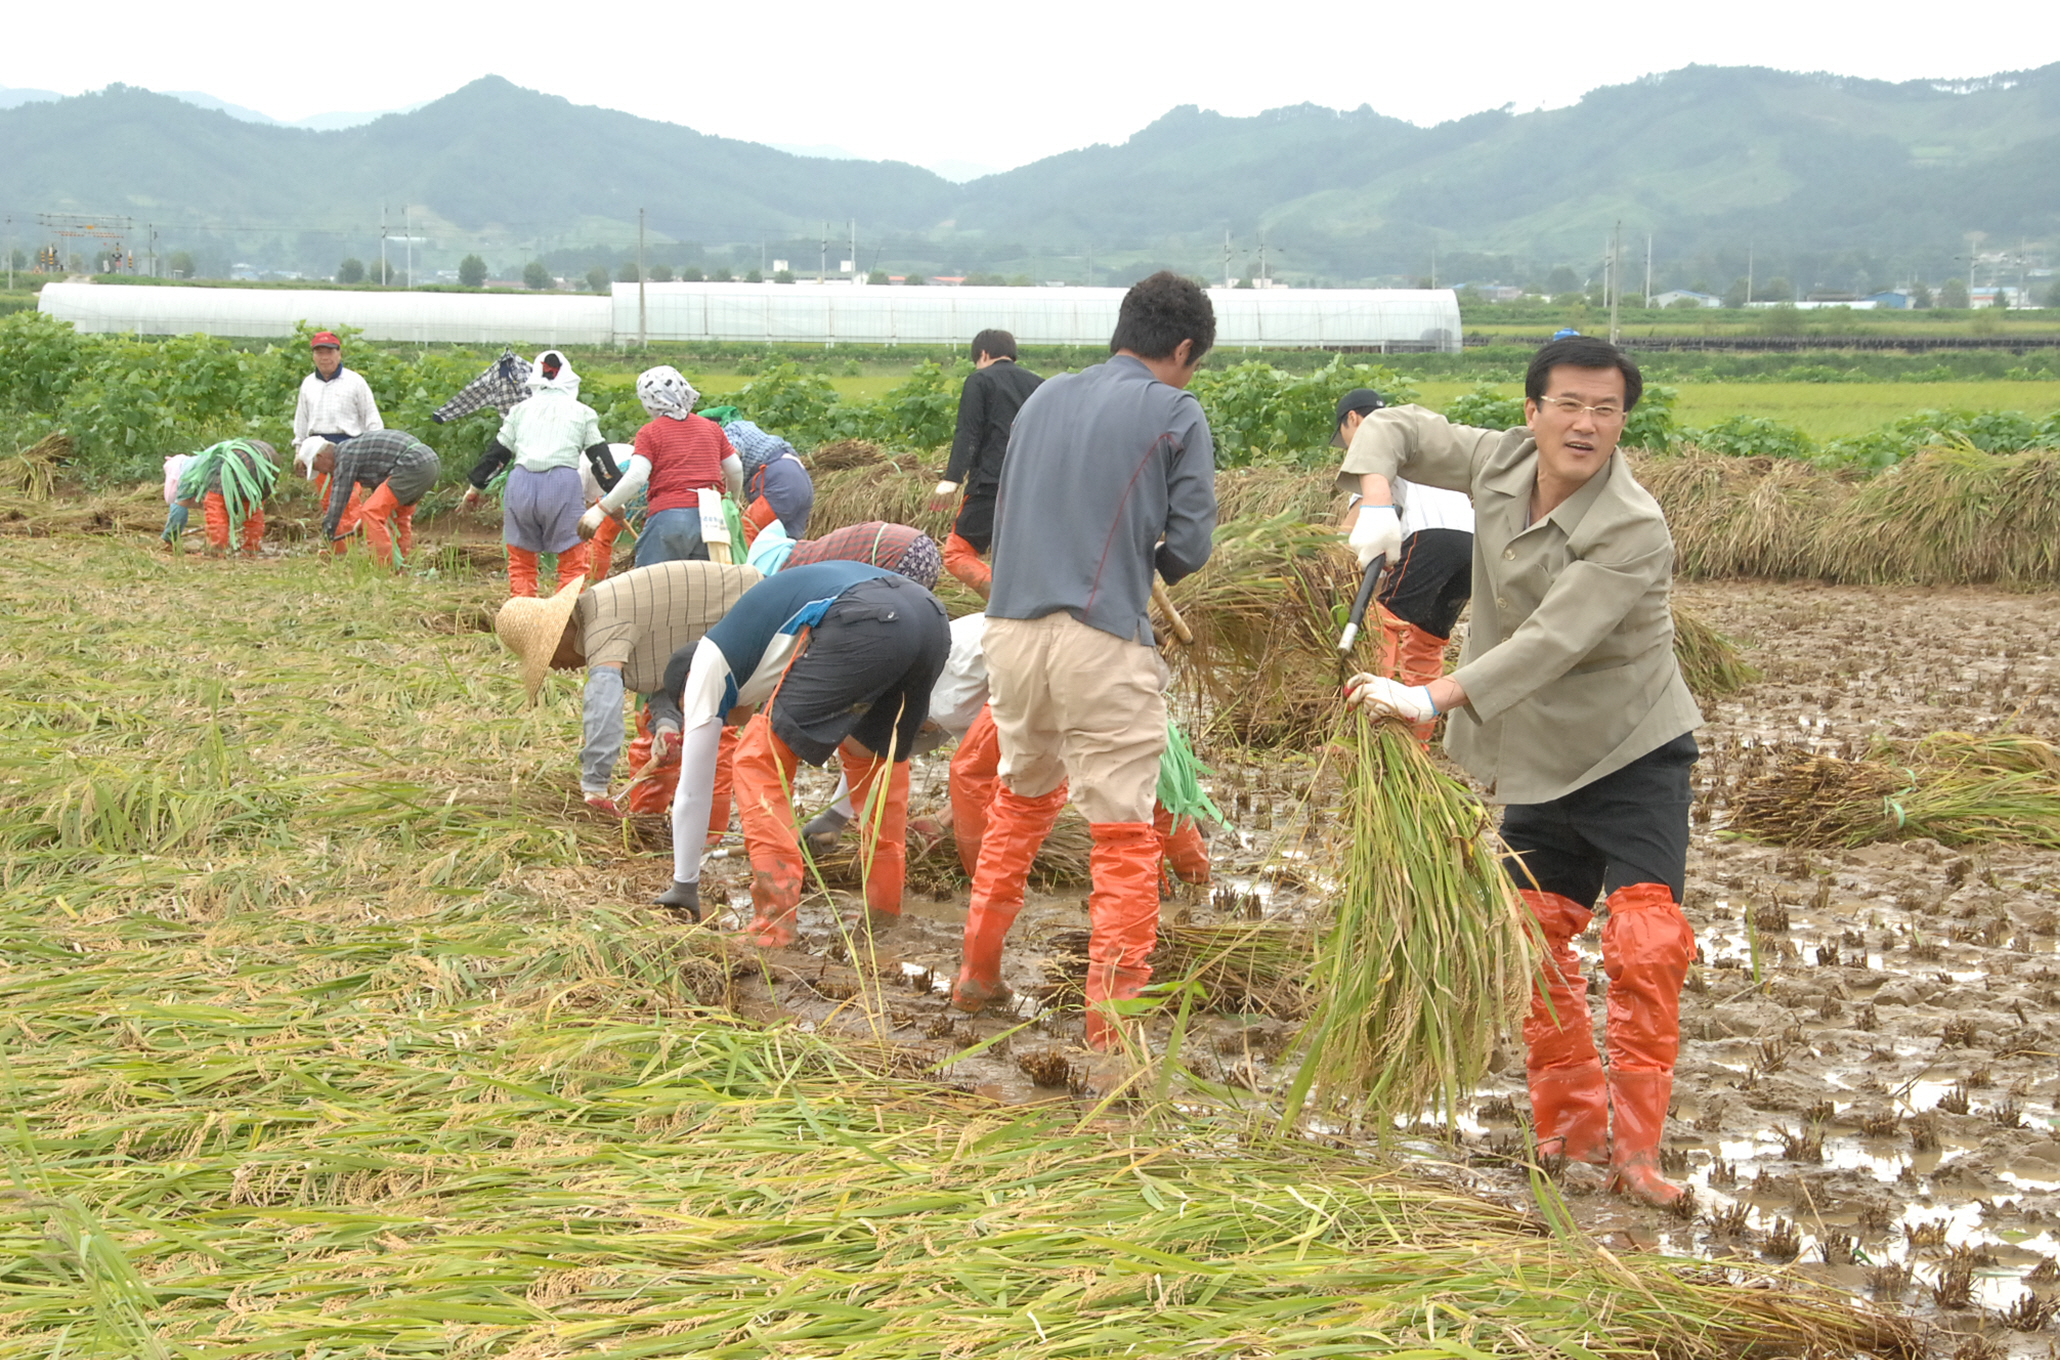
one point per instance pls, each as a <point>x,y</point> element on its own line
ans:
<point>1110,477</point>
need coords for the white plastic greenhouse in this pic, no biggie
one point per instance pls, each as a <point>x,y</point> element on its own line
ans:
<point>472,318</point>
<point>1375,319</point>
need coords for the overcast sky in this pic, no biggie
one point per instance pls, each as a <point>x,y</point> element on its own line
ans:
<point>992,85</point>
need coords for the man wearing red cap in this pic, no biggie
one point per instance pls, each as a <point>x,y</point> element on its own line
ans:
<point>335,407</point>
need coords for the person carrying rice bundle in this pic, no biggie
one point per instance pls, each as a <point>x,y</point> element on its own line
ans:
<point>776,482</point>
<point>677,456</point>
<point>544,437</point>
<point>995,390</point>
<point>1569,708</point>
<point>843,657</point>
<point>229,481</point>
<point>1110,476</point>
<point>1429,578</point>
<point>397,470</point>
<point>623,631</point>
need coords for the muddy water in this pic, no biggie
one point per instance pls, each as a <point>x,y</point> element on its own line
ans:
<point>1869,1082</point>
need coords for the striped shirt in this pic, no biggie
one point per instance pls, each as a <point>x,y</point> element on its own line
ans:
<point>640,618</point>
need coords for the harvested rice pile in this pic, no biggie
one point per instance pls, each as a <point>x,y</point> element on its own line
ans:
<point>1953,787</point>
<point>325,1040</point>
<point>1947,516</point>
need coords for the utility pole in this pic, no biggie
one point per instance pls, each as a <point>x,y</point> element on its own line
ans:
<point>822,267</point>
<point>643,333</point>
<point>1748,274</point>
<point>1434,259</point>
<point>1228,282</point>
<point>856,277</point>
<point>1090,264</point>
<point>10,254</point>
<point>408,221</point>
<point>1616,287</point>
<point>382,245</point>
<point>1648,269</point>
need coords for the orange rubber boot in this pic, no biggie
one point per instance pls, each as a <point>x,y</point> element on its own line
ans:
<point>1569,1097</point>
<point>379,507</point>
<point>765,768</point>
<point>521,572</point>
<point>1645,949</point>
<point>1392,631</point>
<point>1420,660</point>
<point>1181,846</point>
<point>1123,916</point>
<point>725,784</point>
<point>1016,828</point>
<point>601,551</point>
<point>963,560</point>
<point>216,511</point>
<point>572,562</point>
<point>974,777</point>
<point>882,839</point>
<point>253,530</point>
<point>404,531</point>
<point>653,796</point>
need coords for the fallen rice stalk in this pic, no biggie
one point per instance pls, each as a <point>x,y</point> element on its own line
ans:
<point>1953,787</point>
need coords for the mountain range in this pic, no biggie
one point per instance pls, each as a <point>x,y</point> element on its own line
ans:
<point>1836,182</point>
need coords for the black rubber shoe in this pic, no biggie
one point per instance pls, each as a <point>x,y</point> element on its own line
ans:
<point>682,897</point>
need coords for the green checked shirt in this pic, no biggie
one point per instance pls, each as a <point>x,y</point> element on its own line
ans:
<point>1569,664</point>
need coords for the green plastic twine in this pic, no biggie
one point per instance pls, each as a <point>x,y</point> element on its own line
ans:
<point>247,477</point>
<point>734,518</point>
<point>1180,779</point>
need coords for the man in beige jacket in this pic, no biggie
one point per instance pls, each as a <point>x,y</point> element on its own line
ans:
<point>1569,707</point>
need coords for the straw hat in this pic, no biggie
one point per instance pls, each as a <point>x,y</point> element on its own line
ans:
<point>531,628</point>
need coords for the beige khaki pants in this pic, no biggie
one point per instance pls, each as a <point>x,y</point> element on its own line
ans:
<point>1075,704</point>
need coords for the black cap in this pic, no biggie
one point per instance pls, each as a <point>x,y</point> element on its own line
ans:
<point>1360,399</point>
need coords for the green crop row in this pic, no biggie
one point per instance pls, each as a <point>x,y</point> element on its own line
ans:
<point>127,402</point>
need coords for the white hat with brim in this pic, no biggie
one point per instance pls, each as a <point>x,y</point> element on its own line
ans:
<point>532,628</point>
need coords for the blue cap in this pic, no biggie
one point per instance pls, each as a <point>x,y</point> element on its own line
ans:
<point>1563,332</point>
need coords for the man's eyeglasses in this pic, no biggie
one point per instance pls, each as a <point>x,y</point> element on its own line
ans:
<point>1568,407</point>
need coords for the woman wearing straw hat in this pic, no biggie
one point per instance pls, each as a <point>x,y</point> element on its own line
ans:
<point>623,631</point>
<point>1569,707</point>
<point>843,657</point>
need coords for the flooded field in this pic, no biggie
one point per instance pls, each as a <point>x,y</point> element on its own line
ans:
<point>1869,1084</point>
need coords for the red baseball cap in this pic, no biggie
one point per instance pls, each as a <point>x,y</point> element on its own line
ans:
<point>321,338</point>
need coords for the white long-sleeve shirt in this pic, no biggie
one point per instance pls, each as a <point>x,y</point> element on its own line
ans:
<point>342,405</point>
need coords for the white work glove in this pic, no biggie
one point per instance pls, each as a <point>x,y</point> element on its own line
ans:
<point>665,745</point>
<point>473,496</point>
<point>590,522</point>
<point>940,499</point>
<point>1411,703</point>
<point>1376,533</point>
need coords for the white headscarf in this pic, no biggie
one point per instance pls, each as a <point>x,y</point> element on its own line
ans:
<point>567,381</point>
<point>666,392</point>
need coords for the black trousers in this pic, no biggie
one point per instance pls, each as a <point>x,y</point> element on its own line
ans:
<point>1627,827</point>
<point>1430,580</point>
<point>975,523</point>
<point>866,673</point>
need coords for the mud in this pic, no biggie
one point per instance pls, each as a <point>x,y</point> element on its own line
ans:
<point>1869,1084</point>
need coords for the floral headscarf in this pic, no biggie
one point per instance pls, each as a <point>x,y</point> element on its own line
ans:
<point>665,392</point>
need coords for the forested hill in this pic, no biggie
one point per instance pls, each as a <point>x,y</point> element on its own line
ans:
<point>1711,160</point>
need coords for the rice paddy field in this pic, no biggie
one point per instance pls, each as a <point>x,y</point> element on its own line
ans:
<point>335,1027</point>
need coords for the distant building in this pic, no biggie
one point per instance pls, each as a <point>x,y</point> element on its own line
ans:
<point>1895,299</point>
<point>1676,295</point>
